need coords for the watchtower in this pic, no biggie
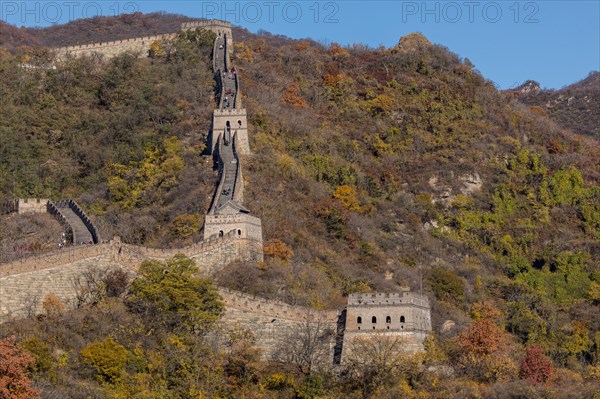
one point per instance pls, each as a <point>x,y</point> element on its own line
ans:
<point>402,318</point>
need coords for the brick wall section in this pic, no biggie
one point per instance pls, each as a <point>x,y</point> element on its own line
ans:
<point>140,45</point>
<point>52,273</point>
<point>276,325</point>
<point>137,45</point>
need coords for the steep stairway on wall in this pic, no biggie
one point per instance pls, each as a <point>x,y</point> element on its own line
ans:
<point>81,234</point>
<point>227,155</point>
<point>79,229</point>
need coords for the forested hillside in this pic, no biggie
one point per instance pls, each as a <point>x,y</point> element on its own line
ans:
<point>574,107</point>
<point>372,169</point>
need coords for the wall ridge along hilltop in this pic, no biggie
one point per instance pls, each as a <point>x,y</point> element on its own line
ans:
<point>231,234</point>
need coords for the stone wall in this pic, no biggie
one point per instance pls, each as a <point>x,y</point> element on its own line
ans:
<point>274,324</point>
<point>279,328</point>
<point>137,45</point>
<point>21,295</point>
<point>31,205</point>
<point>140,45</point>
<point>28,278</point>
<point>395,343</point>
<point>215,25</point>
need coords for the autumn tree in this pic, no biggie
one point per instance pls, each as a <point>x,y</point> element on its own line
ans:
<point>536,366</point>
<point>157,49</point>
<point>375,361</point>
<point>53,306</point>
<point>307,345</point>
<point>243,357</point>
<point>278,249</point>
<point>107,357</point>
<point>171,295</point>
<point>348,197</point>
<point>14,375</point>
<point>483,351</point>
<point>292,96</point>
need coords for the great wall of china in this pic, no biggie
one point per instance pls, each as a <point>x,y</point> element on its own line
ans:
<point>231,234</point>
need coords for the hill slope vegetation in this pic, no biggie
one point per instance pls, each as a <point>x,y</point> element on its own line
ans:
<point>372,169</point>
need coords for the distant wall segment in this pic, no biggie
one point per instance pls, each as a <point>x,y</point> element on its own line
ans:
<point>140,45</point>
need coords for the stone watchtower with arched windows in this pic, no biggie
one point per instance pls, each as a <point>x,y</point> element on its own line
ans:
<point>403,317</point>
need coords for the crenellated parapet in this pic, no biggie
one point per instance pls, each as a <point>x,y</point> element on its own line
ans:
<point>273,308</point>
<point>221,28</point>
<point>401,319</point>
<point>388,299</point>
<point>109,49</point>
<point>28,205</point>
<point>130,256</point>
<point>141,45</point>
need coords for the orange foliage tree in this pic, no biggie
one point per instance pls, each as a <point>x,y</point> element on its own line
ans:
<point>278,249</point>
<point>14,377</point>
<point>483,352</point>
<point>292,96</point>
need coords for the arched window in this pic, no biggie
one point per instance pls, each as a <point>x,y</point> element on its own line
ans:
<point>239,232</point>
<point>221,233</point>
<point>373,319</point>
<point>359,320</point>
<point>388,319</point>
<point>240,123</point>
<point>402,319</point>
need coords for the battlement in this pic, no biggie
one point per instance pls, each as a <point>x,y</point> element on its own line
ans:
<point>128,255</point>
<point>273,308</point>
<point>31,205</point>
<point>142,44</point>
<point>132,44</point>
<point>388,299</point>
<point>205,24</point>
<point>244,225</point>
<point>230,112</point>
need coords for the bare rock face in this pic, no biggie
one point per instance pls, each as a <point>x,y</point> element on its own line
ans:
<point>448,326</point>
<point>469,184</point>
<point>531,87</point>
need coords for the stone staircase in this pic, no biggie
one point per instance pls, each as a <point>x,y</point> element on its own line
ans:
<point>79,229</point>
<point>81,234</point>
<point>226,154</point>
<point>227,76</point>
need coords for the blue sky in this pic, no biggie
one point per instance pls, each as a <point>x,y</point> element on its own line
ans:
<point>553,42</point>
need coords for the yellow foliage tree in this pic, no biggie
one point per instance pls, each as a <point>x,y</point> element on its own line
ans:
<point>157,49</point>
<point>186,225</point>
<point>107,357</point>
<point>348,197</point>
